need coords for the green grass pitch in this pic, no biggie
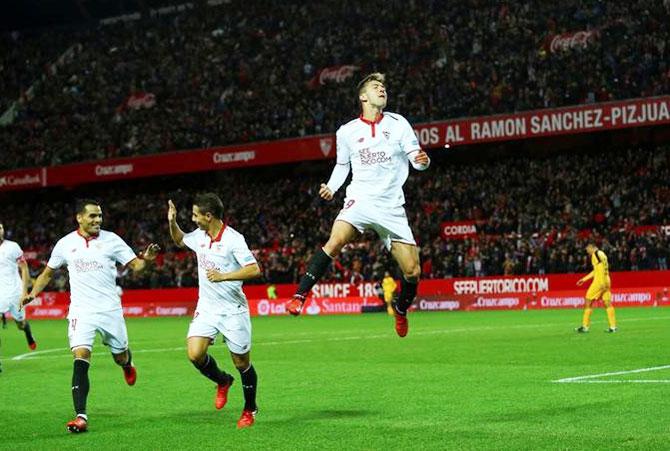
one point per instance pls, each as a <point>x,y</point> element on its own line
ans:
<point>480,380</point>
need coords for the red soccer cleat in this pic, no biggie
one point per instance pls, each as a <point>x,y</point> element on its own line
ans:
<point>130,374</point>
<point>222,394</point>
<point>247,419</point>
<point>77,425</point>
<point>32,346</point>
<point>401,325</point>
<point>294,306</point>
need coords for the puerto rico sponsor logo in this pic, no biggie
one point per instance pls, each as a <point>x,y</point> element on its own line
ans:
<point>326,145</point>
<point>205,263</point>
<point>370,158</point>
<point>498,286</point>
<point>81,265</point>
<point>20,180</point>
<point>113,169</point>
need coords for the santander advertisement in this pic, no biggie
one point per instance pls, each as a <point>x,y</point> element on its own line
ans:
<point>629,289</point>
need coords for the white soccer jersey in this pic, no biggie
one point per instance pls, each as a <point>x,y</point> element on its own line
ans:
<point>379,154</point>
<point>91,264</point>
<point>225,253</point>
<point>10,280</point>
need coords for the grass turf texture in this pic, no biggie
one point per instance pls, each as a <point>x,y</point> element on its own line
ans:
<point>480,380</point>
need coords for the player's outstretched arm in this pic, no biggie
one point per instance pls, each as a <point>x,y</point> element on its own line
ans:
<point>149,254</point>
<point>176,232</point>
<point>40,283</point>
<point>245,273</point>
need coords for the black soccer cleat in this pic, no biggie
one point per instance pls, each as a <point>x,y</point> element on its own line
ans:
<point>582,329</point>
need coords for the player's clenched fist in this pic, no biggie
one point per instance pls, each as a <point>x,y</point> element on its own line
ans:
<point>172,211</point>
<point>325,192</point>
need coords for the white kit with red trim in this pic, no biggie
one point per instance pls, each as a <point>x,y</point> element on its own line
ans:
<point>10,280</point>
<point>378,152</point>
<point>227,252</point>
<point>91,265</point>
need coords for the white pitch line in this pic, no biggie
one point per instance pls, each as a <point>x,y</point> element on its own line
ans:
<point>615,373</point>
<point>620,381</point>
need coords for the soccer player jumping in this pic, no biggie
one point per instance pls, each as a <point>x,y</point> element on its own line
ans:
<point>91,255</point>
<point>376,147</point>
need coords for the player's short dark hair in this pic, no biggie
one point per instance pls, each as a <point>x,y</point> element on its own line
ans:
<point>375,76</point>
<point>209,203</point>
<point>80,204</point>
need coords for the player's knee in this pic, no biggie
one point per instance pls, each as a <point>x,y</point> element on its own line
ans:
<point>241,362</point>
<point>334,246</point>
<point>82,353</point>
<point>21,325</point>
<point>196,356</point>
<point>413,273</point>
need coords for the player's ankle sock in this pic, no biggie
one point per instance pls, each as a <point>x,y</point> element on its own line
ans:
<point>586,318</point>
<point>210,370</point>
<point>407,295</point>
<point>29,333</point>
<point>249,383</point>
<point>315,269</point>
<point>611,317</point>
<point>80,386</point>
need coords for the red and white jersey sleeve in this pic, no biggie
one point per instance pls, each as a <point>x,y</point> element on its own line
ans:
<point>379,153</point>
<point>91,265</point>
<point>10,280</point>
<point>225,253</point>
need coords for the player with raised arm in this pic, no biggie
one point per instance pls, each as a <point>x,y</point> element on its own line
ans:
<point>224,262</point>
<point>377,148</point>
<point>91,255</point>
<point>14,284</point>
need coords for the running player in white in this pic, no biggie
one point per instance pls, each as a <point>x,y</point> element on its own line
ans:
<point>377,148</point>
<point>91,255</point>
<point>13,287</point>
<point>224,262</point>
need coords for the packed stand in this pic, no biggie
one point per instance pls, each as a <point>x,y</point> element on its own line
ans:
<point>245,71</point>
<point>534,216</point>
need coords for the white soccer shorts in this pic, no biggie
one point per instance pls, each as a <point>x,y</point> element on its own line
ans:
<point>11,304</point>
<point>389,223</point>
<point>110,325</point>
<point>236,329</point>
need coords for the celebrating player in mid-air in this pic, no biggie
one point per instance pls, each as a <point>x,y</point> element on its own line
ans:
<point>224,262</point>
<point>600,288</point>
<point>13,287</point>
<point>377,148</point>
<point>91,255</point>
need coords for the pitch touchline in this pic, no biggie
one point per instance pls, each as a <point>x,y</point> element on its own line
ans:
<point>585,379</point>
<point>38,354</point>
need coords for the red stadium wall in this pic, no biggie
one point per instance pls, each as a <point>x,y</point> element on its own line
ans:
<point>633,113</point>
<point>641,288</point>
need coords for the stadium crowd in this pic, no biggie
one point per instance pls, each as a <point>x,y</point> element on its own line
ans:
<point>534,215</point>
<point>246,71</point>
